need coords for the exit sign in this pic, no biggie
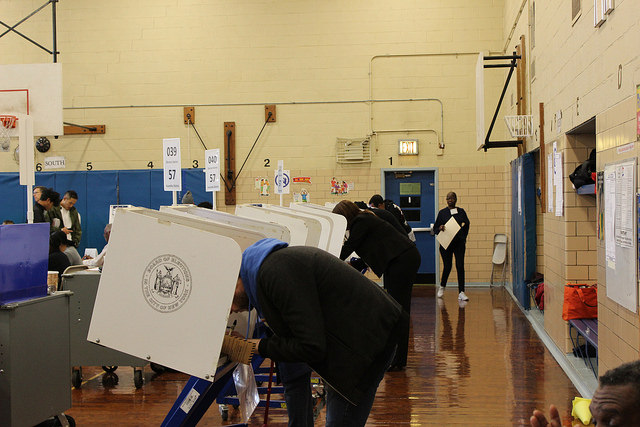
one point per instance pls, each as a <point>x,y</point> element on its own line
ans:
<point>408,147</point>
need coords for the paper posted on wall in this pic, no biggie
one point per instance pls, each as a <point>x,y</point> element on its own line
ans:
<point>445,237</point>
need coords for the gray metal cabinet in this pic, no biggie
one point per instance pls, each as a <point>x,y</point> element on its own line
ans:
<point>34,360</point>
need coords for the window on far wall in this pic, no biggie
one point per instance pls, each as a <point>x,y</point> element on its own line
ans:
<point>599,15</point>
<point>576,10</point>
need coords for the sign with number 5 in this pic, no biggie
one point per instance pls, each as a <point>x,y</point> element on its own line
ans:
<point>172,164</point>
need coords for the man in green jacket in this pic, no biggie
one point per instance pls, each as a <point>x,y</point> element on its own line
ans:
<point>70,224</point>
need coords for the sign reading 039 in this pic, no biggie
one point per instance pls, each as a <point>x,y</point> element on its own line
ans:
<point>172,164</point>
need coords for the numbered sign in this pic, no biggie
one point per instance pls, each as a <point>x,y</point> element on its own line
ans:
<point>212,169</point>
<point>172,170</point>
<point>282,179</point>
<point>278,177</point>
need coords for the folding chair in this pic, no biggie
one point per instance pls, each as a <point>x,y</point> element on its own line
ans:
<point>499,255</point>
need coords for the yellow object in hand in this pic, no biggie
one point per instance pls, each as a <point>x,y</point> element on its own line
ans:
<point>581,410</point>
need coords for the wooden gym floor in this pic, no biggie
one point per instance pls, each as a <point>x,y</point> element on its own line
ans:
<point>481,365</point>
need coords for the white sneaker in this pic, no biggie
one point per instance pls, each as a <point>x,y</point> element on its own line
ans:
<point>440,291</point>
<point>461,303</point>
<point>463,297</point>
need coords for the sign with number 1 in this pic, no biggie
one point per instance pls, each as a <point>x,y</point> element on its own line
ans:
<point>172,164</point>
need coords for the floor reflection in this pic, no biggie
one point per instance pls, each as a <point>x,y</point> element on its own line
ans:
<point>452,361</point>
<point>480,364</point>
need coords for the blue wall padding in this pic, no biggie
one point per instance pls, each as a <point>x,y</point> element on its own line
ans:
<point>193,180</point>
<point>523,227</point>
<point>134,187</point>
<point>14,198</point>
<point>96,191</point>
<point>159,197</point>
<point>102,191</point>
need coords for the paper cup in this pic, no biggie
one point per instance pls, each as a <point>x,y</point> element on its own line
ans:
<point>52,281</point>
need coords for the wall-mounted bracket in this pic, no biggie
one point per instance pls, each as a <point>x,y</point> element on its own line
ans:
<point>511,65</point>
<point>73,129</point>
<point>229,163</point>
<point>270,109</point>
<point>189,115</point>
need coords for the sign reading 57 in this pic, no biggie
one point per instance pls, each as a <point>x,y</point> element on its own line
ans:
<point>212,169</point>
<point>172,168</point>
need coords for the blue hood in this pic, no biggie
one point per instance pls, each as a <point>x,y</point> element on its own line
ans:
<point>252,259</point>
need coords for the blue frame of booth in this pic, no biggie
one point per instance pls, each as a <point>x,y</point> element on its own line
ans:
<point>97,190</point>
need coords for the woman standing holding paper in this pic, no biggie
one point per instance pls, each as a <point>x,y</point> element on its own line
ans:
<point>457,245</point>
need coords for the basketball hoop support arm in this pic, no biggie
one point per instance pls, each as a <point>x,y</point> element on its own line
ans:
<point>74,129</point>
<point>511,65</point>
<point>12,28</point>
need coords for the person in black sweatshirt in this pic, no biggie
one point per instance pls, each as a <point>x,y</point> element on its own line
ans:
<point>456,247</point>
<point>387,251</point>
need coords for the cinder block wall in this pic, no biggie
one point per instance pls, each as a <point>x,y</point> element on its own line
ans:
<point>570,239</point>
<point>618,336</point>
<point>140,63</point>
<point>578,72</point>
<point>484,193</point>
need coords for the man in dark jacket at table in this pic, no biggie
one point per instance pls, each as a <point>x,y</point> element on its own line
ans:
<point>326,314</point>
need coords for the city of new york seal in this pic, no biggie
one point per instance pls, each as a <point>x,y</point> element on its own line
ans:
<point>166,283</point>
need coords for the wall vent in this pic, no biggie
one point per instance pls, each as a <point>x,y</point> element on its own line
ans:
<point>353,150</point>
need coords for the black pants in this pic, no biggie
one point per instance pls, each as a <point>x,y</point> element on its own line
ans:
<point>398,281</point>
<point>456,249</point>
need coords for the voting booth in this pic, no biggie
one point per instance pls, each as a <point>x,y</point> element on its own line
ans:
<point>337,224</point>
<point>308,226</point>
<point>175,270</point>
<point>171,276</point>
<point>268,229</point>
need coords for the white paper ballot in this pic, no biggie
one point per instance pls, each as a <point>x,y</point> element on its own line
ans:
<point>445,237</point>
<point>92,252</point>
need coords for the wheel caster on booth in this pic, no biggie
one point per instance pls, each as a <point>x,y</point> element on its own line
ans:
<point>138,379</point>
<point>76,378</point>
<point>110,379</point>
<point>158,369</point>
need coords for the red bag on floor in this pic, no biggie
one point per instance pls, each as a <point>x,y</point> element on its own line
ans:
<point>539,297</point>
<point>580,302</point>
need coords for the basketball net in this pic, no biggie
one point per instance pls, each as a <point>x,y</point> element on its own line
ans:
<point>6,124</point>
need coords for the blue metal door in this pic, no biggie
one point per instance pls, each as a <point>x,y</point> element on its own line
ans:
<point>414,192</point>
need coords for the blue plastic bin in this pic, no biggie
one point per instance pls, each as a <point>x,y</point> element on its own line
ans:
<point>24,261</point>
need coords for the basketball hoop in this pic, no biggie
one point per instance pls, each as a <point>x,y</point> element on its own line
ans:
<point>519,126</point>
<point>7,123</point>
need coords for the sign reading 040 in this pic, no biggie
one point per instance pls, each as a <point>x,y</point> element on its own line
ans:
<point>212,169</point>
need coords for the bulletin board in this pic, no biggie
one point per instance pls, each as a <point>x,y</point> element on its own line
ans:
<point>621,233</point>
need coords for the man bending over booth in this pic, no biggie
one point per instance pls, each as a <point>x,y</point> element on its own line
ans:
<point>326,314</point>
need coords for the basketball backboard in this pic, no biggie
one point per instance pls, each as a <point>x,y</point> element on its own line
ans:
<point>34,90</point>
